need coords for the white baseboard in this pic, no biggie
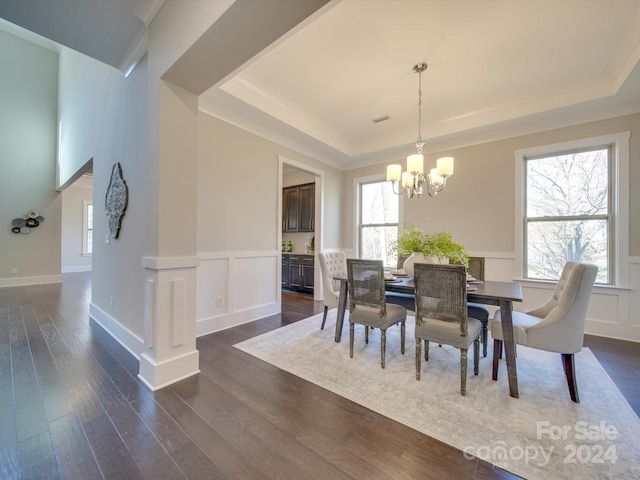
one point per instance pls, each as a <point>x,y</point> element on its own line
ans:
<point>19,281</point>
<point>120,333</point>
<point>205,326</point>
<point>159,375</point>
<point>76,268</point>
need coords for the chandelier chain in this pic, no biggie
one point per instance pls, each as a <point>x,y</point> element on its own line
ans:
<point>419,68</point>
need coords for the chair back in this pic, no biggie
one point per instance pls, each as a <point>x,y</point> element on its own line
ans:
<point>332,264</point>
<point>564,314</point>
<point>476,267</point>
<point>366,285</point>
<point>441,294</point>
<point>565,279</point>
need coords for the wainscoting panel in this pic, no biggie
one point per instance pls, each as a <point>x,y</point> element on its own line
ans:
<point>235,288</point>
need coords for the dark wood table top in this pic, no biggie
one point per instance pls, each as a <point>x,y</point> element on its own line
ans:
<point>485,291</point>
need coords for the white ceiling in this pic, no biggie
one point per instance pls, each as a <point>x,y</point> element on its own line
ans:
<point>496,69</point>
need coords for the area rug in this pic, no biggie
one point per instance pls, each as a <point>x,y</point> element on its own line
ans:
<point>540,435</point>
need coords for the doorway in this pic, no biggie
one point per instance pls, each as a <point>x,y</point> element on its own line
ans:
<point>300,240</point>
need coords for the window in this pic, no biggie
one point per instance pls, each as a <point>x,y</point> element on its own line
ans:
<point>379,211</point>
<point>87,228</point>
<point>573,206</point>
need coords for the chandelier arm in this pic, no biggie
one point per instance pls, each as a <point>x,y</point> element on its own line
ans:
<point>402,189</point>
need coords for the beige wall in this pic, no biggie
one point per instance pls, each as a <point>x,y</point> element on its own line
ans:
<point>239,221</point>
<point>238,189</point>
<point>28,124</point>
<point>478,209</point>
<point>478,205</point>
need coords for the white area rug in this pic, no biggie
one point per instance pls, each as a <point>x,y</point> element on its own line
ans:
<point>540,435</point>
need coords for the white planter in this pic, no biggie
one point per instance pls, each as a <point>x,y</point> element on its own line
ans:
<point>420,258</point>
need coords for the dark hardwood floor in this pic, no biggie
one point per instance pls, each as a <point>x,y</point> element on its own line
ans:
<point>72,406</point>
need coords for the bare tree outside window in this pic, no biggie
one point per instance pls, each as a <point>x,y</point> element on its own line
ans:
<point>568,212</point>
<point>379,208</point>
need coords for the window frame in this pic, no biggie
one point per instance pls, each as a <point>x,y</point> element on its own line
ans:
<point>359,226</point>
<point>619,201</point>
<point>85,228</point>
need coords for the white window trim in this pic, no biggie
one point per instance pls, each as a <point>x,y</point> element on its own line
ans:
<point>357,181</point>
<point>620,143</point>
<point>85,226</point>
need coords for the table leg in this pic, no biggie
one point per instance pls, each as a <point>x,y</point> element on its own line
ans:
<point>509,345</point>
<point>342,306</point>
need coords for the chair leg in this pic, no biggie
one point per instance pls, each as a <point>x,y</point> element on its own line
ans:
<point>426,350</point>
<point>570,372</point>
<point>366,335</point>
<point>476,356</point>
<point>324,317</point>
<point>418,357</point>
<point>485,337</point>
<point>383,345</point>
<point>351,334</point>
<point>463,371</point>
<point>497,348</point>
<point>402,332</point>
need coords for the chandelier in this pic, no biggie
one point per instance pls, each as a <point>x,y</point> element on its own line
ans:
<point>414,180</point>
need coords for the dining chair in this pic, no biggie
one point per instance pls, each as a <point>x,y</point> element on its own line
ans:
<point>332,264</point>
<point>404,299</point>
<point>368,306</point>
<point>557,325</point>
<point>478,310</point>
<point>441,315</point>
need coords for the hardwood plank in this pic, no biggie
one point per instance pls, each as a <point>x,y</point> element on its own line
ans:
<point>230,462</point>
<point>72,448</point>
<point>69,392</point>
<point>37,458</point>
<point>9,464</point>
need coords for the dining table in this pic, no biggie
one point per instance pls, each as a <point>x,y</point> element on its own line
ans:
<point>488,292</point>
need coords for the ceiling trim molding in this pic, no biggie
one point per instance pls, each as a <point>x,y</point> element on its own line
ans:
<point>134,53</point>
<point>28,35</point>
<point>148,9</point>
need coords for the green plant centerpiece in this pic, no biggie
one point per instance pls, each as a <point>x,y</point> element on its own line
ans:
<point>440,245</point>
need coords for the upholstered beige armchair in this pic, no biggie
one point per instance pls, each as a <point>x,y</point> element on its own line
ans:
<point>556,326</point>
<point>332,264</point>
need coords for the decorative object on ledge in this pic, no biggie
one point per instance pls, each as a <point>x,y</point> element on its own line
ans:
<point>25,223</point>
<point>412,181</point>
<point>116,200</point>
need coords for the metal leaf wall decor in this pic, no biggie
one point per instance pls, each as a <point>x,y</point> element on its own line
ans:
<point>116,200</point>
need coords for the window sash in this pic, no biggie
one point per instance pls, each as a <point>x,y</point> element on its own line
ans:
<point>606,273</point>
<point>387,231</point>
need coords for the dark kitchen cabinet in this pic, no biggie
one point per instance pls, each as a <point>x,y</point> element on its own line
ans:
<point>298,208</point>
<point>297,272</point>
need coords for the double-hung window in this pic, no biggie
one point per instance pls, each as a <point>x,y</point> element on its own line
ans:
<point>87,228</point>
<point>378,226</point>
<point>569,209</point>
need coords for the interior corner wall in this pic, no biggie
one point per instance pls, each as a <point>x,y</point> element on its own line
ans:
<point>28,117</point>
<point>238,223</point>
<point>103,116</point>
